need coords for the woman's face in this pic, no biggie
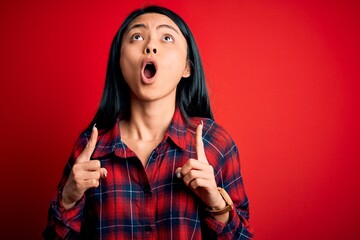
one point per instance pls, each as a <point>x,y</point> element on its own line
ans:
<point>153,57</point>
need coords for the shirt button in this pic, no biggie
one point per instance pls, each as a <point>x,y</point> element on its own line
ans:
<point>148,228</point>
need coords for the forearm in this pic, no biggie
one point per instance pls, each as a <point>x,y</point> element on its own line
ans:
<point>221,204</point>
<point>223,218</point>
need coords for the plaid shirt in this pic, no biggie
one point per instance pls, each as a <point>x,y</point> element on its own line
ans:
<point>150,202</point>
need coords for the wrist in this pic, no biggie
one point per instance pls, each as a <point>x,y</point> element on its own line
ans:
<point>220,204</point>
<point>67,206</point>
<point>65,203</point>
<point>224,206</point>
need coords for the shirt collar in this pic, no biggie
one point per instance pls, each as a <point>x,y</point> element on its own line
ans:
<point>178,129</point>
<point>110,141</point>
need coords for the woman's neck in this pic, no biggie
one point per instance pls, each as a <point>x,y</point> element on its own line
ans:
<point>148,121</point>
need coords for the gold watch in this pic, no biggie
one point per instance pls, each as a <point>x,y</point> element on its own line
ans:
<point>228,201</point>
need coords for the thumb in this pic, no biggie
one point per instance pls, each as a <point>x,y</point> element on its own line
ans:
<point>103,173</point>
<point>178,172</point>
<point>90,146</point>
<point>200,151</point>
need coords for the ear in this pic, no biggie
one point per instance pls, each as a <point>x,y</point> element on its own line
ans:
<point>187,70</point>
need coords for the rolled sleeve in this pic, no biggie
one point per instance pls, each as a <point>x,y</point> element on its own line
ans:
<point>236,227</point>
<point>66,221</point>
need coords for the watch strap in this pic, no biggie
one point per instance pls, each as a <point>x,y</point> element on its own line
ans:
<point>229,204</point>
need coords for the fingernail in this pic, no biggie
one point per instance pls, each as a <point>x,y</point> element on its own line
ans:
<point>94,125</point>
<point>178,174</point>
<point>202,123</point>
<point>105,172</point>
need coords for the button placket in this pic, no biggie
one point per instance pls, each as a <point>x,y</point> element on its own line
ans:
<point>147,190</point>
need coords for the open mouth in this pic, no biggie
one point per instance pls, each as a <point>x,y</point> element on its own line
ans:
<point>149,70</point>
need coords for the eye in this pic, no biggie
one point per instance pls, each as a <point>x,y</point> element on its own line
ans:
<point>137,37</point>
<point>168,38</point>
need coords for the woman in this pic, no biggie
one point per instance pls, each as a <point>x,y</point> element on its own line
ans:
<point>156,165</point>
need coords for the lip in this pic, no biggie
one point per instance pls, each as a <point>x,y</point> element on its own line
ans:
<point>144,79</point>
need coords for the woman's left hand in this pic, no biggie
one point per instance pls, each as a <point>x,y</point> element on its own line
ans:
<point>198,175</point>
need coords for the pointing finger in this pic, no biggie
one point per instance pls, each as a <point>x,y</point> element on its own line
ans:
<point>90,146</point>
<point>200,151</point>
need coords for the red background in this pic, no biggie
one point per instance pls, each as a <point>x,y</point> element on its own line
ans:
<point>284,81</point>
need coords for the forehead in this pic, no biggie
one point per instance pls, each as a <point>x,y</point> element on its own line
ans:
<point>152,20</point>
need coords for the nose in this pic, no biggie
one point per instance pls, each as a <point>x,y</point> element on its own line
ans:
<point>148,50</point>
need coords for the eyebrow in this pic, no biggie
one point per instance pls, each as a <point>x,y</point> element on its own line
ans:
<point>167,26</point>
<point>141,25</point>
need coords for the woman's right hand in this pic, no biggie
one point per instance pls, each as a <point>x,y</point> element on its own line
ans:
<point>85,174</point>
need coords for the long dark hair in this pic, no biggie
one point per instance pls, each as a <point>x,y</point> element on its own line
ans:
<point>191,96</point>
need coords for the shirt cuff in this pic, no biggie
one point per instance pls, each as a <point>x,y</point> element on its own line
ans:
<point>68,219</point>
<point>222,228</point>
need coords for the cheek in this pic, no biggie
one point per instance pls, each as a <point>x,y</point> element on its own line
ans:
<point>128,63</point>
<point>176,63</point>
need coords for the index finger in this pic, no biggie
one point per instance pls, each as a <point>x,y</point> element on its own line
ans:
<point>200,151</point>
<point>90,146</point>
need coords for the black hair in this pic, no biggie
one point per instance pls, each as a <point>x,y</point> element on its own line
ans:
<point>191,96</point>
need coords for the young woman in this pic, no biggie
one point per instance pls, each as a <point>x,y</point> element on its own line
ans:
<point>156,165</point>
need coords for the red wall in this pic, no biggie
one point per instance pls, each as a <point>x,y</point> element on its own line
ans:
<point>284,80</point>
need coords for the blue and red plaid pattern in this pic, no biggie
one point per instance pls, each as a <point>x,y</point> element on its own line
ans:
<point>137,202</point>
